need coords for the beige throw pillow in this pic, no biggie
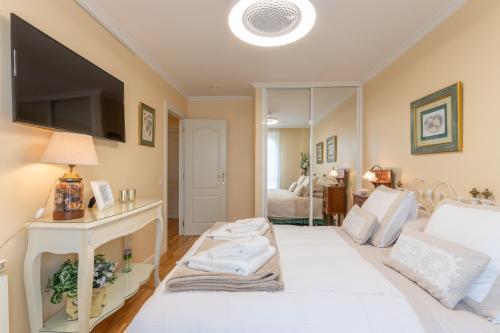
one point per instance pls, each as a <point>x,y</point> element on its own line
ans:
<point>490,306</point>
<point>445,269</point>
<point>359,224</point>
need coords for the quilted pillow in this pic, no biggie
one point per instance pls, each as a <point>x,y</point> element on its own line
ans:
<point>359,224</point>
<point>445,269</point>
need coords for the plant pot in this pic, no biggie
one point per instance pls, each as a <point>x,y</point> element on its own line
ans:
<point>99,301</point>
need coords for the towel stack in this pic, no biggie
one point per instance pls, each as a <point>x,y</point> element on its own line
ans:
<point>240,257</point>
<point>240,264</point>
<point>241,229</point>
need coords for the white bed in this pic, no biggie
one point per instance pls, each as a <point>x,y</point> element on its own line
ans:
<point>343,287</point>
<point>285,204</point>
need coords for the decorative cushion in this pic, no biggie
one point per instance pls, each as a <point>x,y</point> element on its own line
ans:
<point>359,224</point>
<point>292,187</point>
<point>298,190</point>
<point>301,179</point>
<point>445,269</point>
<point>478,228</point>
<point>391,207</point>
<point>305,191</point>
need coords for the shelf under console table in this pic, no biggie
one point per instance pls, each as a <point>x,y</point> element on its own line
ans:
<point>82,237</point>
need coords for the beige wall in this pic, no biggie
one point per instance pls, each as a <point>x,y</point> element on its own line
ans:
<point>463,48</point>
<point>341,122</point>
<point>292,142</point>
<point>240,148</point>
<point>25,182</point>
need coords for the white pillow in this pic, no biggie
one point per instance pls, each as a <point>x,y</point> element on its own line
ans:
<point>306,181</point>
<point>391,207</point>
<point>298,190</point>
<point>359,224</point>
<point>475,227</point>
<point>301,179</point>
<point>292,187</point>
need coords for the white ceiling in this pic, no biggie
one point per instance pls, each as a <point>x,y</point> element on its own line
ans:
<point>189,43</point>
<point>291,106</point>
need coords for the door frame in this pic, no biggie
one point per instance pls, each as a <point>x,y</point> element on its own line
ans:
<point>166,112</point>
<point>311,86</point>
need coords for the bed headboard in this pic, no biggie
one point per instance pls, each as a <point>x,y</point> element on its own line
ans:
<point>430,195</point>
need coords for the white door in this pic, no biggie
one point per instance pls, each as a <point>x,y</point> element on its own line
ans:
<point>205,178</point>
<point>173,173</point>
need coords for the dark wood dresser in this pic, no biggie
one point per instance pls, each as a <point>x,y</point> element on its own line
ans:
<point>334,203</point>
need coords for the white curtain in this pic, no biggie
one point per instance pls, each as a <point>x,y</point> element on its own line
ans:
<point>273,159</point>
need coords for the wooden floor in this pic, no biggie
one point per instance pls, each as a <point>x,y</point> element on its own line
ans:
<point>177,246</point>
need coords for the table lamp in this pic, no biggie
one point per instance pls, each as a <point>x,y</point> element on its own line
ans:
<point>371,176</point>
<point>71,149</point>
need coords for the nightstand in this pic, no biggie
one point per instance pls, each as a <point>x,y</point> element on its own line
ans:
<point>334,203</point>
<point>359,199</point>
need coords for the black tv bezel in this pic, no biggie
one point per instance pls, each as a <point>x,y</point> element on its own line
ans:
<point>13,17</point>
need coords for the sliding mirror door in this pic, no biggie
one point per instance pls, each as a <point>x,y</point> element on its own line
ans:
<point>335,159</point>
<point>288,155</point>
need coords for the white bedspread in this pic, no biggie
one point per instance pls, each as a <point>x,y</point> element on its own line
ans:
<point>285,204</point>
<point>329,287</point>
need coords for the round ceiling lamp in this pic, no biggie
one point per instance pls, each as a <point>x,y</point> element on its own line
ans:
<point>271,22</point>
<point>271,120</point>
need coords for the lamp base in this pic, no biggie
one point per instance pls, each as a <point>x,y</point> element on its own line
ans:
<point>68,199</point>
<point>71,215</point>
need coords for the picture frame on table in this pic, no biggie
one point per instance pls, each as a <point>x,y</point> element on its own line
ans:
<point>147,125</point>
<point>437,122</point>
<point>319,152</point>
<point>103,194</point>
<point>331,149</point>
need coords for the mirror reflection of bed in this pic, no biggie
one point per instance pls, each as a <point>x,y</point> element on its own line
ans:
<point>304,184</point>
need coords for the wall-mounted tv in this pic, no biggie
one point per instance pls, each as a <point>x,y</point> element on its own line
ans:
<point>54,87</point>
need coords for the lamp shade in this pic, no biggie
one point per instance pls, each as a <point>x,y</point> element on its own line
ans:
<point>71,149</point>
<point>370,175</point>
<point>334,173</point>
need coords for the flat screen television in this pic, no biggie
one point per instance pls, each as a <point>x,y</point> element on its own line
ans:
<point>53,87</point>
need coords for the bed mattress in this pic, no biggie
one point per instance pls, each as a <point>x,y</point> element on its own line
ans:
<point>331,285</point>
<point>285,204</point>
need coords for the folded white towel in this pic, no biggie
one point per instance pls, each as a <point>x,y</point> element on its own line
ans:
<point>203,262</point>
<point>246,225</point>
<point>224,234</point>
<point>239,249</point>
<point>251,220</point>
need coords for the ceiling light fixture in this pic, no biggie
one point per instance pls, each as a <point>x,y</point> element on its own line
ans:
<point>271,120</point>
<point>271,22</point>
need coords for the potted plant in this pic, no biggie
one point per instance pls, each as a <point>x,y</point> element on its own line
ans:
<point>304,163</point>
<point>65,282</point>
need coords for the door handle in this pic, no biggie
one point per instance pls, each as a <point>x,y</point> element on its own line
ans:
<point>222,178</point>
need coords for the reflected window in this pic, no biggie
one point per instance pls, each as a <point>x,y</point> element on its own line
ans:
<point>273,160</point>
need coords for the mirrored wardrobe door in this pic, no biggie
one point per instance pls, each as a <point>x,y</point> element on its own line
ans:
<point>335,156</point>
<point>288,156</point>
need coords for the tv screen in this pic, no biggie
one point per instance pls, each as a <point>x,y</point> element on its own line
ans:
<point>54,87</point>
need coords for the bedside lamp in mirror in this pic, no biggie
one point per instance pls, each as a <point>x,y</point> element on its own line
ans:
<point>71,149</point>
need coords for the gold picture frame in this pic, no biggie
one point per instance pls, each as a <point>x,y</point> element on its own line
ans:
<point>147,125</point>
<point>437,122</point>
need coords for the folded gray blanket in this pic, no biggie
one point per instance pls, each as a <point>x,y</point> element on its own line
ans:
<point>267,278</point>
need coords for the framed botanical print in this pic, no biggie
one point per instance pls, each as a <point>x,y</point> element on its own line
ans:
<point>436,122</point>
<point>331,149</point>
<point>147,125</point>
<point>319,153</point>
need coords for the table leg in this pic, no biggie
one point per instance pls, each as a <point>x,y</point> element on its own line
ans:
<point>85,280</point>
<point>33,287</point>
<point>159,239</point>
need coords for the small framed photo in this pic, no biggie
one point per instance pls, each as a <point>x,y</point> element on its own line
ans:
<point>436,122</point>
<point>319,153</point>
<point>147,125</point>
<point>103,194</point>
<point>331,149</point>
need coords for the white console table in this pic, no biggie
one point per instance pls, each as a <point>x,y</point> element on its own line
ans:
<point>83,236</point>
<point>4,298</point>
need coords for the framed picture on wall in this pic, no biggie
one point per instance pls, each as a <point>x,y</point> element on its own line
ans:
<point>331,149</point>
<point>147,125</point>
<point>437,122</point>
<point>319,153</point>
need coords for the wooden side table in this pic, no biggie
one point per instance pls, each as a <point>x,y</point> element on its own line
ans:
<point>359,199</point>
<point>334,202</point>
<point>83,236</point>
